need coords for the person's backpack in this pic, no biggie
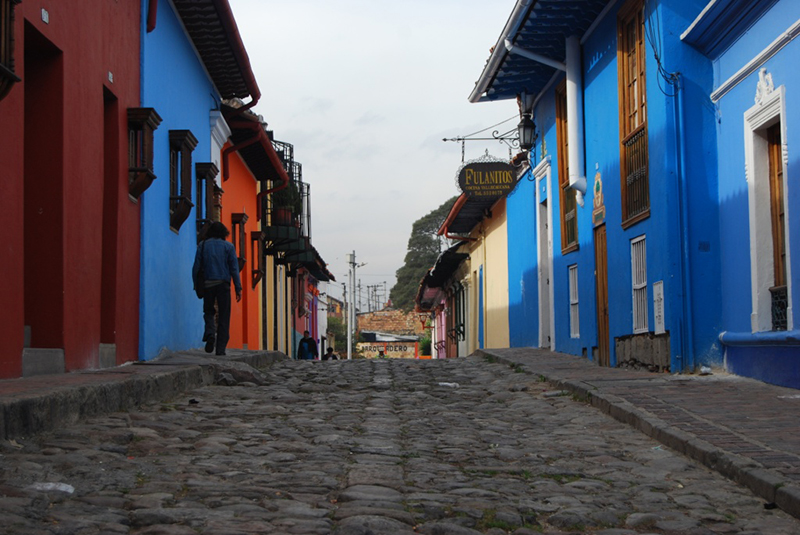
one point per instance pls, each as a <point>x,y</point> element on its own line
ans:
<point>200,278</point>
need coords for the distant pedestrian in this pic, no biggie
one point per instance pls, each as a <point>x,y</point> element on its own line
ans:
<point>329,354</point>
<point>218,260</point>
<point>307,348</point>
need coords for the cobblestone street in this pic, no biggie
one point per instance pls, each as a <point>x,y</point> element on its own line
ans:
<point>357,447</point>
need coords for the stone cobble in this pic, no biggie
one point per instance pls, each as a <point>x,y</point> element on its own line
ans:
<point>368,447</point>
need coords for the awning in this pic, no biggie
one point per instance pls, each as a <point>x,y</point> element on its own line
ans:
<point>430,287</point>
<point>315,265</point>
<point>465,213</point>
<point>541,27</point>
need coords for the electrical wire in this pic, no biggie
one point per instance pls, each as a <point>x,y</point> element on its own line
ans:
<point>490,127</point>
<point>652,33</point>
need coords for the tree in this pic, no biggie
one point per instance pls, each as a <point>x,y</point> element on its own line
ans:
<point>424,247</point>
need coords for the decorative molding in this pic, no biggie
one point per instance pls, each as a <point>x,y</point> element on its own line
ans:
<point>754,64</point>
<point>764,86</point>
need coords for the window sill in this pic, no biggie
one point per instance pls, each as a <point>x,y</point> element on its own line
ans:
<point>569,249</point>
<point>636,219</point>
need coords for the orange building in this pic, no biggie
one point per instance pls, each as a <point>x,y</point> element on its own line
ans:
<point>239,212</point>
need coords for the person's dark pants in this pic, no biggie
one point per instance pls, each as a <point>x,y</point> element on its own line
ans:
<point>219,294</point>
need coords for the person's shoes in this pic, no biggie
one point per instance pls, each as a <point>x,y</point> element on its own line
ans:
<point>219,354</point>
<point>210,344</point>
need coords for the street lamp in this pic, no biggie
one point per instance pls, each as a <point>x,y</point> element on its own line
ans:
<point>527,132</point>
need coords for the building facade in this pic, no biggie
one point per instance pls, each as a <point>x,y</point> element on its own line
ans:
<point>69,75</point>
<point>752,49</point>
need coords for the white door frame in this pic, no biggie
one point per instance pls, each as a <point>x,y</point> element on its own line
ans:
<point>542,178</point>
<point>771,108</point>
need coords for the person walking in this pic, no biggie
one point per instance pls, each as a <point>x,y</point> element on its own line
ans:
<point>217,258</point>
<point>307,348</point>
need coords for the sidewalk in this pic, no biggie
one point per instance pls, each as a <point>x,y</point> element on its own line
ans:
<point>744,429</point>
<point>32,405</point>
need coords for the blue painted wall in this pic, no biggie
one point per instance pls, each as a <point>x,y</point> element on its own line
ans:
<point>176,85</point>
<point>662,228</point>
<point>776,361</point>
<point>523,286</point>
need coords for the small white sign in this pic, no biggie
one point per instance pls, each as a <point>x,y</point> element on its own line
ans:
<point>45,16</point>
<point>658,306</point>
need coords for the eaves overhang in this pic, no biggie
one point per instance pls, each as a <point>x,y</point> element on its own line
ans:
<point>254,147</point>
<point>542,28</point>
<point>317,266</point>
<point>465,214</point>
<point>215,35</point>
<point>721,23</point>
<point>431,285</point>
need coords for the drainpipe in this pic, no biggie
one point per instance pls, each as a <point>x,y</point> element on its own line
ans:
<point>687,360</point>
<point>538,58</point>
<point>577,175</point>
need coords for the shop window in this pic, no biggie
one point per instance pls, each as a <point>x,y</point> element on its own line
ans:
<point>633,113</point>
<point>7,76</point>
<point>205,174</point>
<point>567,200</point>
<point>238,234</point>
<point>181,145</point>
<point>142,122</point>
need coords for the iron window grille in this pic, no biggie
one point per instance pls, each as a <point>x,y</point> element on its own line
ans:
<point>633,113</point>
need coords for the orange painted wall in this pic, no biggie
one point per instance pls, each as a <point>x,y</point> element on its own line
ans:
<point>240,191</point>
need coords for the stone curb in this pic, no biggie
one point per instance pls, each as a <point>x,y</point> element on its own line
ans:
<point>119,390</point>
<point>764,483</point>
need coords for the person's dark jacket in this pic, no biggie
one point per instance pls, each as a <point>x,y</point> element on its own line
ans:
<point>220,263</point>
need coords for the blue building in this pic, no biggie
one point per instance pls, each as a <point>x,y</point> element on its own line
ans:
<point>613,234</point>
<point>754,99</point>
<point>192,58</point>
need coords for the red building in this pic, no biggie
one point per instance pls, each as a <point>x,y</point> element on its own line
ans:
<point>70,266</point>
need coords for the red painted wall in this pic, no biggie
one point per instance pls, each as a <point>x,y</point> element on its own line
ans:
<point>63,152</point>
<point>240,196</point>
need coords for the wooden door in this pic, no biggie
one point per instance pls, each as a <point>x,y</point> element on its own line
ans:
<point>601,284</point>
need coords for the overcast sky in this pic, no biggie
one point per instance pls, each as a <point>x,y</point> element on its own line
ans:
<point>365,90</point>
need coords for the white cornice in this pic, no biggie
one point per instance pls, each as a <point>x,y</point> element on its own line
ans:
<point>754,64</point>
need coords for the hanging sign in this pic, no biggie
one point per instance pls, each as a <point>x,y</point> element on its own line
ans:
<point>487,179</point>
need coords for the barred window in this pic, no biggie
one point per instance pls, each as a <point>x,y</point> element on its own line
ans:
<point>639,278</point>
<point>574,317</point>
<point>633,113</point>
<point>567,200</point>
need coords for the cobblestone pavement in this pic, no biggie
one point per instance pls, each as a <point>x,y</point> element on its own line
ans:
<point>368,447</point>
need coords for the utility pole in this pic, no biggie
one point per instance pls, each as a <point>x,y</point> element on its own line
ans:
<point>351,259</point>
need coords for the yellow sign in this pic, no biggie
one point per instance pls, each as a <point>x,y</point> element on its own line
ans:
<point>487,179</point>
